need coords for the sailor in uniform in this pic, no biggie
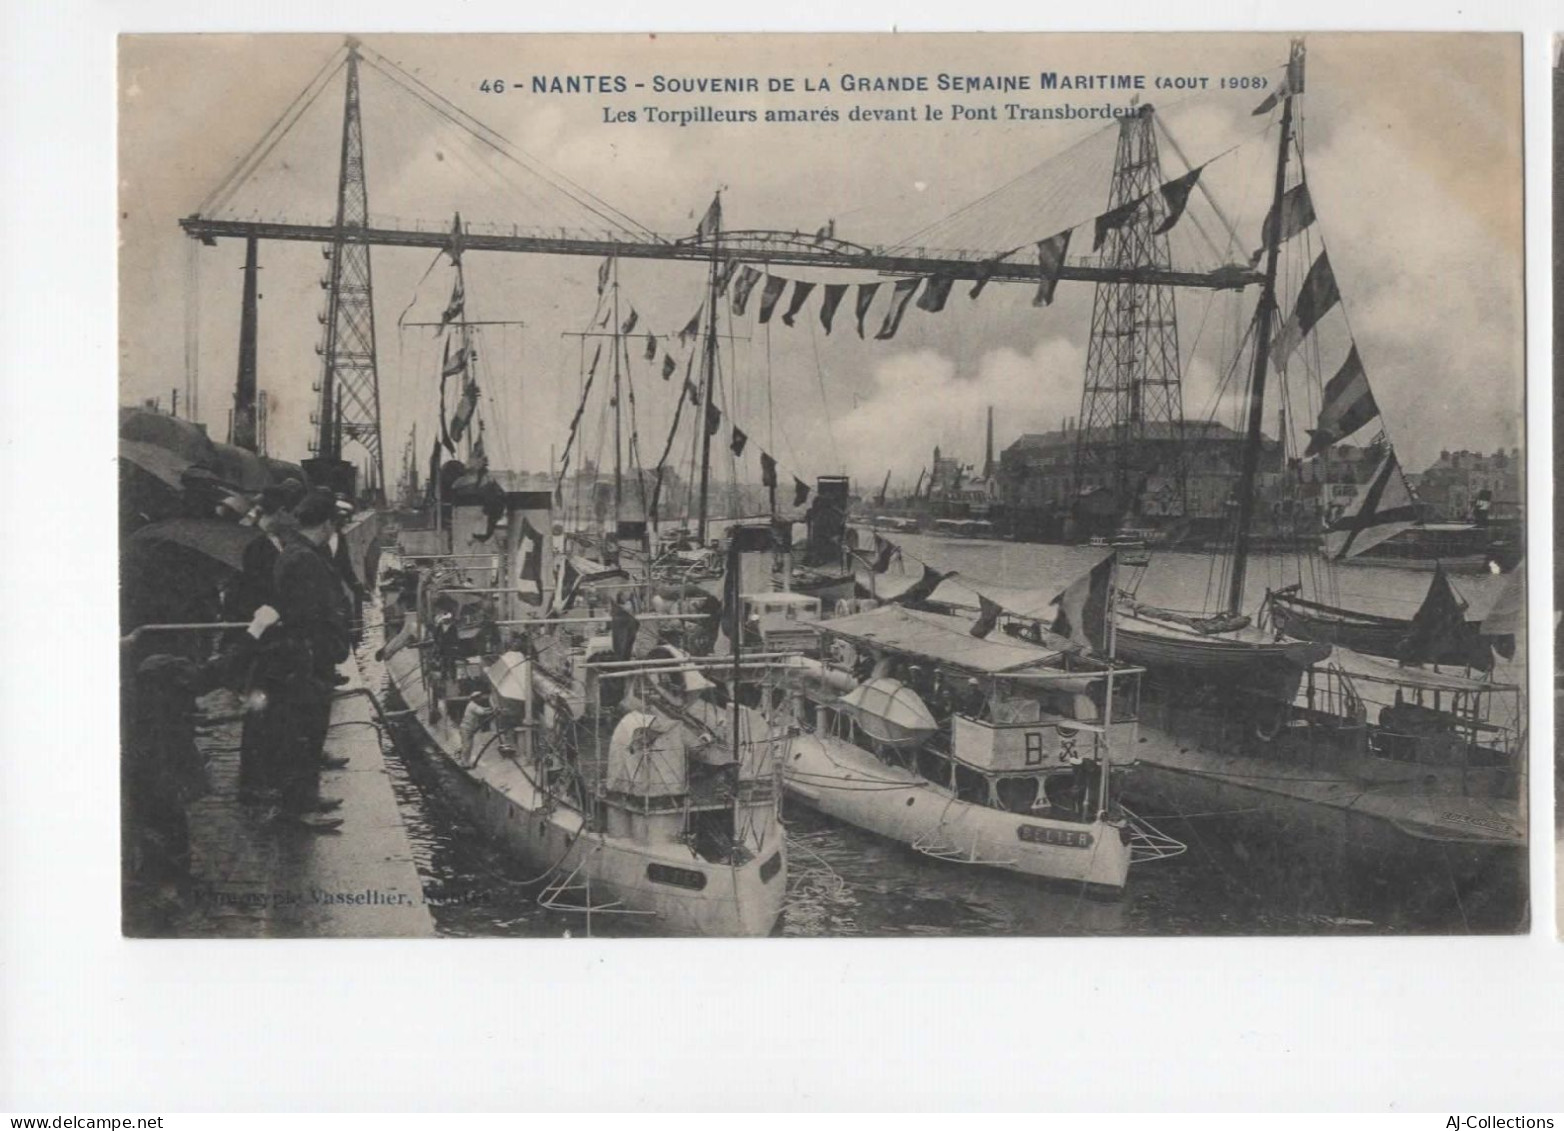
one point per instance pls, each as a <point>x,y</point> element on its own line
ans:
<point>311,640</point>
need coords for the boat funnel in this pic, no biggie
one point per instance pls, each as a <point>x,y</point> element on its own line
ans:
<point>827,519</point>
<point>756,544</point>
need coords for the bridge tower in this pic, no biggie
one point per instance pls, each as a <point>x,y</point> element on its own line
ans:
<point>349,383</point>
<point>1132,405</point>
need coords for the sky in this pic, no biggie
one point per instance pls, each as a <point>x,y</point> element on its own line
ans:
<point>1412,146</point>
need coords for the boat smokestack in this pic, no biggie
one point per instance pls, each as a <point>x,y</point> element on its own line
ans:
<point>827,519</point>
<point>988,450</point>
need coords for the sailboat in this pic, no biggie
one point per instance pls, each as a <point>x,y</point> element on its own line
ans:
<point>1459,642</point>
<point>599,755</point>
<point>1438,633</point>
<point>1289,718</point>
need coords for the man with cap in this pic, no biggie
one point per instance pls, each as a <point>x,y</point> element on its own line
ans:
<point>258,780</point>
<point>254,587</point>
<point>313,633</point>
<point>293,493</point>
<point>341,559</point>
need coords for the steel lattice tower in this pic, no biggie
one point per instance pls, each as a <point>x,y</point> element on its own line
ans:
<point>349,380</point>
<point>1132,392</point>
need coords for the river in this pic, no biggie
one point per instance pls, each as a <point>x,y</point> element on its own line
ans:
<point>1235,878</point>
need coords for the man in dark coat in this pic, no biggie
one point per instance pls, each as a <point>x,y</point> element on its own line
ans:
<point>311,640</point>
<point>260,557</point>
<point>257,766</point>
<point>161,771</point>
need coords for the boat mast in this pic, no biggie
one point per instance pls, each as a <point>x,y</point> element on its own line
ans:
<point>1105,770</point>
<point>1264,314</point>
<point>470,366</point>
<point>618,440</point>
<point>708,370</point>
<point>455,252</point>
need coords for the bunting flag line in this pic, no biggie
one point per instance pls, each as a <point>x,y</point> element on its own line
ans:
<point>935,291</point>
<point>673,431</point>
<point>865,299</point>
<point>985,273</point>
<point>575,422</point>
<point>886,552</point>
<point>713,419</point>
<point>452,366</point>
<point>899,298</point>
<point>1348,405</point>
<point>768,471</point>
<point>1317,295</point>
<point>922,589</point>
<point>988,617</point>
<point>801,291</point>
<point>669,366</point>
<point>711,223</point>
<point>725,273</point>
<point>1114,219</point>
<point>693,392</point>
<point>1175,194</point>
<point>602,274</point>
<point>1385,509</point>
<point>1297,213</point>
<point>740,438</point>
<point>828,305</point>
<point>651,345</point>
<point>1292,83</point>
<point>745,283</point>
<point>1084,607</point>
<point>457,306</point>
<point>691,328</point>
<point>630,322</point>
<point>769,294</point>
<point>464,410</point>
<point>1050,262</point>
<point>445,435</point>
<point>800,492</point>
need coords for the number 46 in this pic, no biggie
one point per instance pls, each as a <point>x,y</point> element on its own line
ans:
<point>492,86</point>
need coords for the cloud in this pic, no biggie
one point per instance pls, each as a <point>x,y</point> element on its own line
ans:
<point>925,398</point>
<point>1435,300</point>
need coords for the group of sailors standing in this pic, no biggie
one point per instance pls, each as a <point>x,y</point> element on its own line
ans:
<point>301,595</point>
<point>299,589</point>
